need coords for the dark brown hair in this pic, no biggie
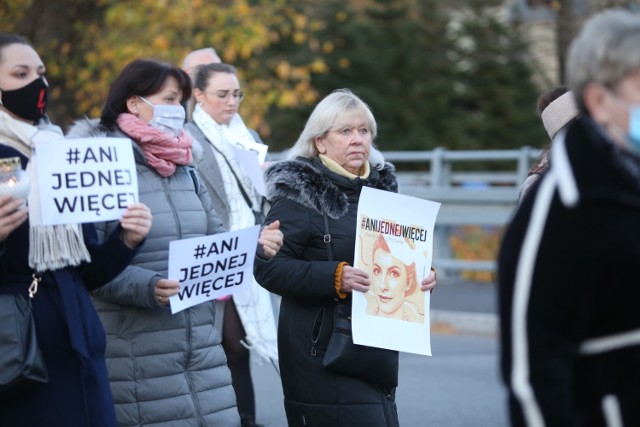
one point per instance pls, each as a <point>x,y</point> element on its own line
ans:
<point>549,96</point>
<point>204,72</point>
<point>9,39</point>
<point>141,77</point>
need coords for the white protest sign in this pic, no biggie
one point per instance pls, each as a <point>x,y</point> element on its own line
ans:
<point>209,267</point>
<point>240,136</point>
<point>260,150</point>
<point>85,179</point>
<point>249,162</point>
<point>394,242</point>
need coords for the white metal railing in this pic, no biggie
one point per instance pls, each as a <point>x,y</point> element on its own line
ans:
<point>468,196</point>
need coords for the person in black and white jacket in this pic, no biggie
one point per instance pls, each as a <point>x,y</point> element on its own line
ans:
<point>568,265</point>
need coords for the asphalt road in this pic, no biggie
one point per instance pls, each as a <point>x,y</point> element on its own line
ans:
<point>456,387</point>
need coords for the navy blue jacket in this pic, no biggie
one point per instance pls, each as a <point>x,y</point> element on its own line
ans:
<point>568,285</point>
<point>70,334</point>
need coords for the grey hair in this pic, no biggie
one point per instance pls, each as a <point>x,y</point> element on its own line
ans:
<point>189,61</point>
<point>331,113</point>
<point>606,50</point>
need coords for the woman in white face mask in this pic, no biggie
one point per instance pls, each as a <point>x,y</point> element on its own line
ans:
<point>218,130</point>
<point>163,368</point>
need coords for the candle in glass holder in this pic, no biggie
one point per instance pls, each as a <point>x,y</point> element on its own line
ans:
<point>13,179</point>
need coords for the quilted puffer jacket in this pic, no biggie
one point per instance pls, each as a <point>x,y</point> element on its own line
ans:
<point>164,369</point>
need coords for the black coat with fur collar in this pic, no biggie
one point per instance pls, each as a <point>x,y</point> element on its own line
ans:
<point>301,273</point>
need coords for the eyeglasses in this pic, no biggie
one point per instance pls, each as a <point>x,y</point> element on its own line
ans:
<point>238,95</point>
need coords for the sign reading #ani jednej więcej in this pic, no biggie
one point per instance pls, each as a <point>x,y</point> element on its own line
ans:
<point>210,267</point>
<point>85,179</point>
<point>394,245</point>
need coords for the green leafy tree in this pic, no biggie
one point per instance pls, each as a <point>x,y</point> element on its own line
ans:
<point>432,76</point>
<point>495,93</point>
<point>393,53</point>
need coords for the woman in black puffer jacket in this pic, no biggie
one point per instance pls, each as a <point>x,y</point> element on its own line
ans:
<point>331,162</point>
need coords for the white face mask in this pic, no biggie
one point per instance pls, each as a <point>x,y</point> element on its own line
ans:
<point>167,118</point>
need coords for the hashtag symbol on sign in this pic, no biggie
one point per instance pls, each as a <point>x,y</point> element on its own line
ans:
<point>199,253</point>
<point>363,222</point>
<point>73,155</point>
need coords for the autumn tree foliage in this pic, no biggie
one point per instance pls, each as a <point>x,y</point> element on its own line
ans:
<point>85,44</point>
<point>434,75</point>
<point>435,72</point>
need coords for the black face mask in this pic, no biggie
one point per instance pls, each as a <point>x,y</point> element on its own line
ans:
<point>28,102</point>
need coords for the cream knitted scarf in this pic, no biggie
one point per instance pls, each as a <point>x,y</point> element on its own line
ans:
<point>51,247</point>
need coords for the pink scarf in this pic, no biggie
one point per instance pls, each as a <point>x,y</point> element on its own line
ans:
<point>162,151</point>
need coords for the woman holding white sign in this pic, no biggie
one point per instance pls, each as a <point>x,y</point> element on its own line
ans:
<point>217,128</point>
<point>164,368</point>
<point>62,263</point>
<point>315,197</point>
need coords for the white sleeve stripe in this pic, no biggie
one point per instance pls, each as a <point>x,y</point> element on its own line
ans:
<point>611,411</point>
<point>611,342</point>
<point>520,383</point>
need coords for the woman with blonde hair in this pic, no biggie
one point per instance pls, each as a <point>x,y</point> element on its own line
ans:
<point>315,197</point>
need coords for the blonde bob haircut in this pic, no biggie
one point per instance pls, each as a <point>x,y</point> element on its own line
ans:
<point>339,108</point>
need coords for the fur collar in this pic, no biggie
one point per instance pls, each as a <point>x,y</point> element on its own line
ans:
<point>312,185</point>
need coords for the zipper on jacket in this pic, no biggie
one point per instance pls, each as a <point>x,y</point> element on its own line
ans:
<point>174,211</point>
<point>192,391</point>
<point>315,333</point>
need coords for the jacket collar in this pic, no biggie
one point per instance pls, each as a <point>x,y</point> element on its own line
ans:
<point>587,165</point>
<point>309,183</point>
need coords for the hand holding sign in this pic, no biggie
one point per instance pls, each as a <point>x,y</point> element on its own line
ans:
<point>429,282</point>
<point>136,223</point>
<point>165,289</point>
<point>394,241</point>
<point>210,267</point>
<point>354,279</point>
<point>271,239</point>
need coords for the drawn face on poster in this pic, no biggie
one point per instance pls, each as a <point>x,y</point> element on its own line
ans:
<point>394,279</point>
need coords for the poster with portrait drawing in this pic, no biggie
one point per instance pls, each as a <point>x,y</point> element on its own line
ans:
<point>394,245</point>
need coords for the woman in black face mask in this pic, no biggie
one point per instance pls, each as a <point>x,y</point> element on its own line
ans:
<point>64,261</point>
<point>24,102</point>
<point>28,102</point>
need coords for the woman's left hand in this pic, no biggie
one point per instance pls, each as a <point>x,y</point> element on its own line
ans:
<point>136,223</point>
<point>271,238</point>
<point>429,282</point>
